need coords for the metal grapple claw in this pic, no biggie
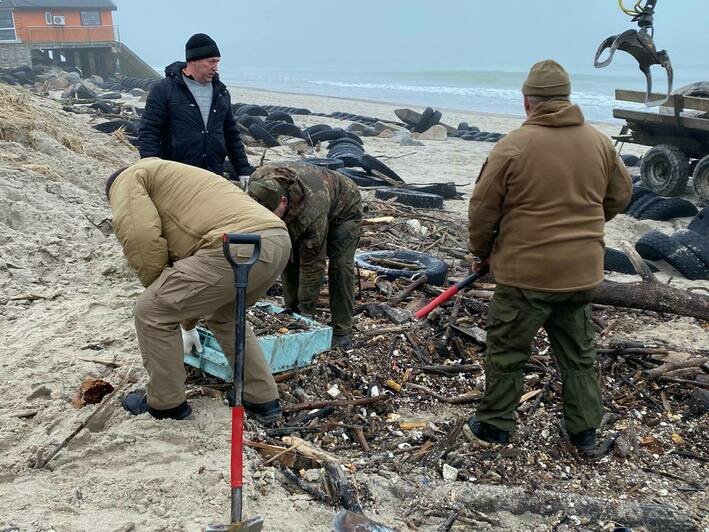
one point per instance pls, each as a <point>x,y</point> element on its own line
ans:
<point>640,45</point>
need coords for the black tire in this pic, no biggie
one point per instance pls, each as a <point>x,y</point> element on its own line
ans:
<point>644,197</point>
<point>696,243</point>
<point>412,198</point>
<point>362,179</point>
<point>347,150</point>
<point>463,126</point>
<point>655,245</point>
<point>325,162</point>
<point>664,209</point>
<point>300,111</point>
<point>665,169</point>
<point>258,132</point>
<point>109,127</point>
<point>700,223</point>
<point>370,164</point>
<point>332,134</point>
<point>630,160</point>
<point>316,128</point>
<point>279,116</point>
<point>247,120</point>
<point>346,141</point>
<point>700,178</point>
<point>435,269</point>
<point>425,121</point>
<point>284,128</point>
<point>445,190</point>
<point>614,260</point>
<point>252,110</point>
<point>349,160</point>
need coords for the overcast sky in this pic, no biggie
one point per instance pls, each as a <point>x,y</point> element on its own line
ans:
<point>395,35</point>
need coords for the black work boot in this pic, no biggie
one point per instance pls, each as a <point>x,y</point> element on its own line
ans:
<point>267,413</point>
<point>343,341</point>
<point>584,441</point>
<point>484,434</point>
<point>137,403</point>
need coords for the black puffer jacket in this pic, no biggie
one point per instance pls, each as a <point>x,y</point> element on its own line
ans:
<point>172,126</point>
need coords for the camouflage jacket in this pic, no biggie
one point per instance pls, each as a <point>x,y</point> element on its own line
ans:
<point>318,199</point>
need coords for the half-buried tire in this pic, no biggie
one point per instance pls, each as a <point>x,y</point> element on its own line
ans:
<point>325,162</point>
<point>379,261</point>
<point>667,209</point>
<point>285,128</point>
<point>614,260</point>
<point>362,179</point>
<point>655,245</point>
<point>412,198</point>
<point>700,223</point>
<point>697,244</point>
<point>371,164</point>
<point>259,133</point>
<point>630,160</point>
<point>279,116</point>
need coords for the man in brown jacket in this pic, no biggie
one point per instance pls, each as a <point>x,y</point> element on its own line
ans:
<point>170,217</point>
<point>537,214</point>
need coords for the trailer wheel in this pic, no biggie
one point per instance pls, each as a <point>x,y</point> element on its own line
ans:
<point>665,169</point>
<point>701,178</point>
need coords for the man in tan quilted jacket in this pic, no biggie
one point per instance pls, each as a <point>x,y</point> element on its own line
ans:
<point>537,214</point>
<point>170,217</point>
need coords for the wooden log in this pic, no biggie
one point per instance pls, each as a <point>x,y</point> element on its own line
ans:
<point>666,368</point>
<point>653,296</point>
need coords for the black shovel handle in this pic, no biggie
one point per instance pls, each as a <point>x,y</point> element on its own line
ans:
<point>241,268</point>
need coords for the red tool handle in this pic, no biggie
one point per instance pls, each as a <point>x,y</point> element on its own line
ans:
<point>450,292</point>
<point>237,446</point>
<point>445,296</point>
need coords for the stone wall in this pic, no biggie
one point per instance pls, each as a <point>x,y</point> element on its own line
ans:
<point>14,55</point>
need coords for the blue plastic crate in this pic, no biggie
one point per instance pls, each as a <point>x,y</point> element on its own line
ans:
<point>283,352</point>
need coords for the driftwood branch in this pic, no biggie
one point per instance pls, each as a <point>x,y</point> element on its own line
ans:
<point>672,366</point>
<point>638,263</point>
<point>345,402</point>
<point>653,296</point>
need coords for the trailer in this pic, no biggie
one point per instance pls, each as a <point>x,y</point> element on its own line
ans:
<point>678,137</point>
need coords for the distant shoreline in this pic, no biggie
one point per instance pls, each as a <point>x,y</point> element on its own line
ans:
<point>520,116</point>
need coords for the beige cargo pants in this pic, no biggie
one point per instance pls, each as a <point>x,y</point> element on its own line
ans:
<point>203,286</point>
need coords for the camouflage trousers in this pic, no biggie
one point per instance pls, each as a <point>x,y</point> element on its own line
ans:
<point>514,318</point>
<point>301,294</point>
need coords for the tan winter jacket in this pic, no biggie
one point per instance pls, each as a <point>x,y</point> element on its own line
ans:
<point>164,211</point>
<point>541,201</point>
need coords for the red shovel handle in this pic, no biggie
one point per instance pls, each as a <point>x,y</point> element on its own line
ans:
<point>237,446</point>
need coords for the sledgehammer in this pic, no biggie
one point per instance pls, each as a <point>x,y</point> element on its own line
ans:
<point>450,292</point>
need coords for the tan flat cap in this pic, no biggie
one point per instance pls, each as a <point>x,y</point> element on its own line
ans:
<point>547,78</point>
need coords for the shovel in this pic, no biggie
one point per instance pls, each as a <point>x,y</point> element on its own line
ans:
<point>241,277</point>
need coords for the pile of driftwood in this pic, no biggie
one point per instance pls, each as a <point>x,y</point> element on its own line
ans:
<point>397,402</point>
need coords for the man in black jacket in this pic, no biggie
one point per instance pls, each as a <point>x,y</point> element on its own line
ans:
<point>188,115</point>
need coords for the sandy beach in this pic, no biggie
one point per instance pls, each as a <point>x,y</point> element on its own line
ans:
<point>66,303</point>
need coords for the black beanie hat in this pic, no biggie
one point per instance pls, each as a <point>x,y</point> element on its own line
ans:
<point>201,46</point>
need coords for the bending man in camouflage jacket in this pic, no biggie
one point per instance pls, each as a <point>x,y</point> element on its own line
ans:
<point>322,210</point>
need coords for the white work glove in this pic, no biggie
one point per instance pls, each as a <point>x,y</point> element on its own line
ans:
<point>190,339</point>
<point>244,182</point>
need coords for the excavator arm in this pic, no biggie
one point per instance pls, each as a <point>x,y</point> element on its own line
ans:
<point>640,44</point>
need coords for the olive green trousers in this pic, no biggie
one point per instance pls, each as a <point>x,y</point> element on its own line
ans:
<point>514,317</point>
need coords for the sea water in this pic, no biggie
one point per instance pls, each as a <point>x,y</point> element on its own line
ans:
<point>467,90</point>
